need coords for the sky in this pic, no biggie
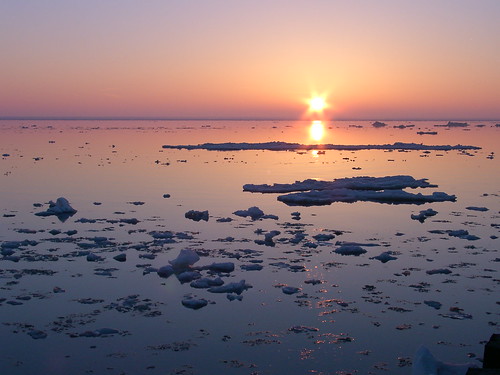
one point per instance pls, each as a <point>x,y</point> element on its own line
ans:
<point>240,59</point>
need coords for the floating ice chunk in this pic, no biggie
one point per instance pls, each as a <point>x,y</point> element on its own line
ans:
<point>290,290</point>
<point>325,197</point>
<point>378,124</point>
<point>165,271</point>
<point>188,276</point>
<point>251,267</point>
<point>268,237</point>
<point>186,258</point>
<point>37,334</point>
<point>350,250</point>
<point>434,304</point>
<point>61,208</point>
<point>313,281</point>
<point>220,267</point>
<point>233,297</point>
<point>354,183</point>
<point>424,215</point>
<point>444,271</point>
<point>285,146</point>
<point>424,363</point>
<point>473,208</point>
<point>384,257</point>
<point>205,283</point>
<point>120,257</point>
<point>463,234</point>
<point>91,257</point>
<point>254,212</point>
<point>195,304</point>
<point>197,215</point>
<point>301,329</point>
<point>322,237</point>
<point>237,288</point>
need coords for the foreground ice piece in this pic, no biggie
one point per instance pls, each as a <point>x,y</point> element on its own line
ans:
<point>186,258</point>
<point>254,212</point>
<point>355,183</point>
<point>60,208</point>
<point>324,197</point>
<point>237,288</point>
<point>285,146</point>
<point>197,215</point>
<point>424,363</point>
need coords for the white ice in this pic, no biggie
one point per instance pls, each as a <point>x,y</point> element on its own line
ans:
<point>424,363</point>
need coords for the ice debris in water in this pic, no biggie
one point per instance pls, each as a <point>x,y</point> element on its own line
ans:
<point>474,208</point>
<point>197,215</point>
<point>424,215</point>
<point>60,208</point>
<point>424,363</point>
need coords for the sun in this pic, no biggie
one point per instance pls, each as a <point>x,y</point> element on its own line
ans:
<point>317,104</point>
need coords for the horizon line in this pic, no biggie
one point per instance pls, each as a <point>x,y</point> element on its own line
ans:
<point>160,118</point>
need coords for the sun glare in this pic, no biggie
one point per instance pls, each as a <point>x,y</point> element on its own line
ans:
<point>317,131</point>
<point>317,104</point>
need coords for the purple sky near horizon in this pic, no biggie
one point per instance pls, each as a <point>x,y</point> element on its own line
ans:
<point>386,59</point>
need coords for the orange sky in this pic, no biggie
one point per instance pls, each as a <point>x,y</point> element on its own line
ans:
<point>389,59</point>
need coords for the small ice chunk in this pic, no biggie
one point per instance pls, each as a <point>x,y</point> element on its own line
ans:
<point>193,303</point>
<point>444,271</point>
<point>197,215</point>
<point>290,290</point>
<point>424,215</point>
<point>188,276</point>
<point>205,283</point>
<point>233,297</point>
<point>237,288</point>
<point>37,334</point>
<point>60,208</point>
<point>434,304</point>
<point>473,208</point>
<point>186,258</point>
<point>322,237</point>
<point>120,257</point>
<point>220,267</point>
<point>350,250</point>
<point>384,257</point>
<point>254,212</point>
<point>165,271</point>
<point>91,257</point>
<point>251,267</point>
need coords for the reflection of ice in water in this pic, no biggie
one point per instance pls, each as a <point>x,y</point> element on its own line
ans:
<point>317,130</point>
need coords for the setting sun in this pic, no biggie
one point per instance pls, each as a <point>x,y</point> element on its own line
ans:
<point>317,104</point>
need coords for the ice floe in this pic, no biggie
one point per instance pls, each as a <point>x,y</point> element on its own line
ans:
<point>352,183</point>
<point>386,189</point>
<point>285,146</point>
<point>422,215</point>
<point>197,215</point>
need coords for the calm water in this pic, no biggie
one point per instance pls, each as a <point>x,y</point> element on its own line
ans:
<point>364,316</point>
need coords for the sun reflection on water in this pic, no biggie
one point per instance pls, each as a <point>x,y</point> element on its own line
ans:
<point>317,130</point>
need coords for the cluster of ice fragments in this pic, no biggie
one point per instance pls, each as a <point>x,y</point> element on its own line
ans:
<point>182,267</point>
<point>386,189</point>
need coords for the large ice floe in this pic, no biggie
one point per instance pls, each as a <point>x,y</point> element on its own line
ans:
<point>286,146</point>
<point>388,189</point>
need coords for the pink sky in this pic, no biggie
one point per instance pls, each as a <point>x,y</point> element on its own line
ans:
<point>387,59</point>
